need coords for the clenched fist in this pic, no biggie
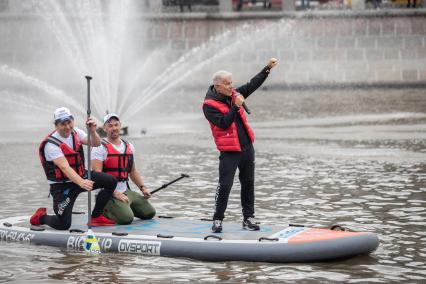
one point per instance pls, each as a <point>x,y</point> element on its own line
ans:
<point>272,62</point>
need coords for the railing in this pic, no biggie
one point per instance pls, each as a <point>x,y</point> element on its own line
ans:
<point>212,6</point>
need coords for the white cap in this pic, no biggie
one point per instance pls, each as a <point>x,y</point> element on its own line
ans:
<point>62,114</point>
<point>109,116</point>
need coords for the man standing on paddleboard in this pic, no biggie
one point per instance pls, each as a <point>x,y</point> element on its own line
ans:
<point>224,109</point>
<point>116,157</point>
<point>62,157</point>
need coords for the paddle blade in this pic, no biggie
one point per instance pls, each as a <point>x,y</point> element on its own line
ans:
<point>91,245</point>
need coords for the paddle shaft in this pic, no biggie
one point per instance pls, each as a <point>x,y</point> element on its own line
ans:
<point>89,150</point>
<point>167,184</point>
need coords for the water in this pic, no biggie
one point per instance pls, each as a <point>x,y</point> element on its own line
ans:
<point>213,52</point>
<point>94,37</point>
<point>39,103</point>
<point>104,39</point>
<point>354,158</point>
<point>75,38</point>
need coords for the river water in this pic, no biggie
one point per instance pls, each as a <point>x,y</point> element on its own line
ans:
<point>349,157</point>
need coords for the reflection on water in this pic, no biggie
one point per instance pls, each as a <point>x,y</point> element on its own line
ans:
<point>357,164</point>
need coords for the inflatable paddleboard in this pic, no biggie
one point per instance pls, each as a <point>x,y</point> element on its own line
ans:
<point>193,239</point>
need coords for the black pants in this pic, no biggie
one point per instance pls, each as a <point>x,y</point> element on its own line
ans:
<point>229,162</point>
<point>65,194</point>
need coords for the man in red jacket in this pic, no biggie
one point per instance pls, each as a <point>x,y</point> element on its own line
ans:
<point>234,139</point>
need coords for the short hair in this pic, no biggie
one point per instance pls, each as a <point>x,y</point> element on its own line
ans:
<point>220,75</point>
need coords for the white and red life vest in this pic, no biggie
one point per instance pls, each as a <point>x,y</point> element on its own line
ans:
<point>74,156</point>
<point>118,164</point>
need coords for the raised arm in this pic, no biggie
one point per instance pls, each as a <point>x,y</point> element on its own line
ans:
<point>257,81</point>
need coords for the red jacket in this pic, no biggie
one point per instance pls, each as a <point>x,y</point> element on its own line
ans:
<point>118,164</point>
<point>74,156</point>
<point>227,139</point>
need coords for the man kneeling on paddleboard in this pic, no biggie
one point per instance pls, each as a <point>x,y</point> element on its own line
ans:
<point>62,157</point>
<point>116,157</point>
<point>223,108</point>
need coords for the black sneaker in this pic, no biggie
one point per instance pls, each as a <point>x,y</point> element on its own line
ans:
<point>250,224</point>
<point>217,226</point>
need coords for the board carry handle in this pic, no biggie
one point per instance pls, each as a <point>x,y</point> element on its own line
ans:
<point>77,231</point>
<point>119,233</point>
<point>213,237</point>
<point>268,239</point>
<point>337,228</point>
<point>165,236</point>
<point>165,217</point>
<point>296,225</point>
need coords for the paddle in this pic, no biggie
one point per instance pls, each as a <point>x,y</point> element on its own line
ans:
<point>89,150</point>
<point>91,243</point>
<point>167,184</point>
